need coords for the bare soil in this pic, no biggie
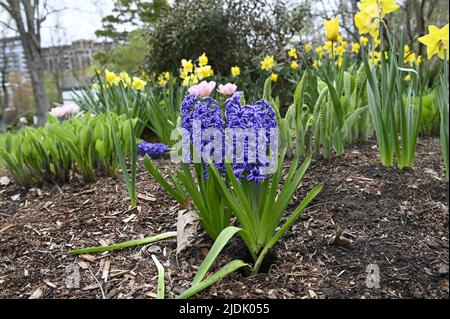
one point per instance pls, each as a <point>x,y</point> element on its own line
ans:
<point>394,221</point>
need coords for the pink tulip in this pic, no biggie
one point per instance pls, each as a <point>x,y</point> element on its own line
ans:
<point>202,89</point>
<point>227,89</point>
<point>71,109</point>
<point>58,112</point>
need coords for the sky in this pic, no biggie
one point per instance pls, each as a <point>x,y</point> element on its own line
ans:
<point>79,20</point>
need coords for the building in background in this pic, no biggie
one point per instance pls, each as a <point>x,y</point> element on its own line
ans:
<point>14,57</point>
<point>75,57</point>
<point>13,74</point>
<point>67,65</point>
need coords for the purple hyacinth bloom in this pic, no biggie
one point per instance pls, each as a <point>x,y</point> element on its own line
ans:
<point>154,150</point>
<point>255,175</point>
<point>258,115</point>
<point>207,113</point>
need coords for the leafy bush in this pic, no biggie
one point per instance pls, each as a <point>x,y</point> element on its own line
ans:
<point>49,153</point>
<point>231,32</point>
<point>129,57</point>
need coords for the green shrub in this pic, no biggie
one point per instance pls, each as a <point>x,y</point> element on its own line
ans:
<point>49,153</point>
<point>230,32</point>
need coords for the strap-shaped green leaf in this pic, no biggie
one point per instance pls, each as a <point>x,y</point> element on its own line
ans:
<point>216,277</point>
<point>219,244</point>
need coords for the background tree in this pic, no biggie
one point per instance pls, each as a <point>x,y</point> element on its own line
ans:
<point>131,13</point>
<point>418,14</point>
<point>4,59</point>
<point>230,32</point>
<point>29,15</point>
<point>22,95</point>
<point>57,72</point>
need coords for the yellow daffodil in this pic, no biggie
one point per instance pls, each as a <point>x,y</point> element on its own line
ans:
<point>317,64</point>
<point>319,51</point>
<point>95,86</point>
<point>204,72</point>
<point>419,60</point>
<point>329,46</point>
<point>183,74</point>
<point>138,83</point>
<point>364,41</point>
<point>274,77</point>
<point>409,57</point>
<point>268,63</point>
<point>408,77</point>
<point>367,20</point>
<point>377,42</point>
<point>294,65</point>
<point>125,78</point>
<point>235,71</point>
<point>308,48</point>
<point>112,78</point>
<point>188,66</point>
<point>203,60</point>
<point>356,47</point>
<point>340,50</point>
<point>374,57</point>
<point>190,80</point>
<point>185,82</point>
<point>163,78</point>
<point>340,61</point>
<point>293,53</point>
<point>332,29</point>
<point>342,41</point>
<point>162,81</point>
<point>436,41</point>
<point>383,6</point>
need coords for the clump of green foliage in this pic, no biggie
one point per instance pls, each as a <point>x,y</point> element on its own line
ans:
<point>50,153</point>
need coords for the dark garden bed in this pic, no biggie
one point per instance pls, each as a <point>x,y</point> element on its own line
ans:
<point>396,220</point>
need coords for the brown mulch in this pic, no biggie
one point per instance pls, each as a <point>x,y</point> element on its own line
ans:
<point>391,219</point>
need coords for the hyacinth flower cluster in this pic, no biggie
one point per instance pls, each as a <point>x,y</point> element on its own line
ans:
<point>258,117</point>
<point>244,180</point>
<point>154,150</point>
<point>205,112</point>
